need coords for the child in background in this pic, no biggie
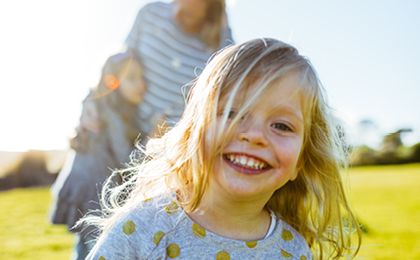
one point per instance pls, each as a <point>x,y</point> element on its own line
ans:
<point>251,171</point>
<point>76,190</point>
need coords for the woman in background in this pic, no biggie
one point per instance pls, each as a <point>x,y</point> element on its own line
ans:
<point>174,41</point>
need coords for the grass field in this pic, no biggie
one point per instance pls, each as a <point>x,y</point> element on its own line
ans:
<point>386,200</point>
<point>24,229</point>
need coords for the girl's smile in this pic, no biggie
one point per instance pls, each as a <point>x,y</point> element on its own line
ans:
<point>263,153</point>
<point>245,163</point>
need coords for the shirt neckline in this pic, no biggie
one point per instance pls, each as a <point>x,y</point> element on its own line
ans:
<point>213,238</point>
<point>273,223</point>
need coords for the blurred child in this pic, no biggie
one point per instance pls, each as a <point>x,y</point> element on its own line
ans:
<point>251,171</point>
<point>76,190</point>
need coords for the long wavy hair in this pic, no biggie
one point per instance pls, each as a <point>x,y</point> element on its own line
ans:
<point>181,161</point>
<point>214,24</point>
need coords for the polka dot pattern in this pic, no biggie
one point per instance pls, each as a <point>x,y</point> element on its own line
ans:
<point>157,237</point>
<point>286,235</point>
<point>129,227</point>
<point>251,244</point>
<point>171,208</point>
<point>222,255</point>
<point>190,240</point>
<point>285,254</point>
<point>198,230</point>
<point>173,250</point>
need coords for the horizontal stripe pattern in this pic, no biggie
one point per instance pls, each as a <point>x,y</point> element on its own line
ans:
<point>171,60</point>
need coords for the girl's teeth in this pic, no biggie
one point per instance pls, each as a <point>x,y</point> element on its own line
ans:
<point>251,163</point>
<point>245,161</point>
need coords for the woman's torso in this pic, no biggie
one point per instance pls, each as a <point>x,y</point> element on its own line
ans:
<point>171,59</point>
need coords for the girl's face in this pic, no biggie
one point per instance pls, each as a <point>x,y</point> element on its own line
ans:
<point>133,85</point>
<point>263,153</point>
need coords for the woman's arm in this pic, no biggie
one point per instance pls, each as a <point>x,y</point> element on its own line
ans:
<point>89,119</point>
<point>119,144</point>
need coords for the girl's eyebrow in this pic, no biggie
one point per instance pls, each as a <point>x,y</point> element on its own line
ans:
<point>288,110</point>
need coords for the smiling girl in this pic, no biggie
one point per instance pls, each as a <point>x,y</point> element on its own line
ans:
<point>251,171</point>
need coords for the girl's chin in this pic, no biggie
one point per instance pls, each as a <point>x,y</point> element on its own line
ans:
<point>239,190</point>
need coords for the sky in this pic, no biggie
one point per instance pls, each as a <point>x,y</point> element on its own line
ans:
<point>367,54</point>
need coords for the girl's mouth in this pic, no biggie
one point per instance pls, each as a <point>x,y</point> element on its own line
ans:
<point>246,164</point>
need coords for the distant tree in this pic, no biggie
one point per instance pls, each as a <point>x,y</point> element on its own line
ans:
<point>363,155</point>
<point>415,153</point>
<point>29,170</point>
<point>391,151</point>
<point>367,123</point>
<point>392,141</point>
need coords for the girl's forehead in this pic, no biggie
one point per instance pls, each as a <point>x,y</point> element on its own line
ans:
<point>286,88</point>
<point>283,95</point>
<point>290,85</point>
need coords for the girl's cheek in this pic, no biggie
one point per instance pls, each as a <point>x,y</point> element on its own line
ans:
<point>290,148</point>
<point>295,152</point>
<point>211,136</point>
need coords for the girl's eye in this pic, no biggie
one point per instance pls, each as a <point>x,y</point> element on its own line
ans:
<point>231,114</point>
<point>282,127</point>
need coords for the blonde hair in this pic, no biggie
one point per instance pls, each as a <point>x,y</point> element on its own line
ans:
<point>214,24</point>
<point>181,160</point>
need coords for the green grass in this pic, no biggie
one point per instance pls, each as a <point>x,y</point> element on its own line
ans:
<point>24,229</point>
<point>386,200</point>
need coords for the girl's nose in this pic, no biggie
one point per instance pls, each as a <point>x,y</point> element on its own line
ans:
<point>253,135</point>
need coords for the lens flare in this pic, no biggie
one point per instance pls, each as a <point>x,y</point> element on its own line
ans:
<point>111,82</point>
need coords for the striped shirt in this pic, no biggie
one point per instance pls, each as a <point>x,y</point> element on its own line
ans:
<point>171,59</point>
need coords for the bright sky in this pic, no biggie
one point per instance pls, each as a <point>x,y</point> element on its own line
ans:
<point>367,54</point>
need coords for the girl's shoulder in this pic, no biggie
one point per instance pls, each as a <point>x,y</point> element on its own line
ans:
<point>151,214</point>
<point>141,224</point>
<point>155,210</point>
<point>291,241</point>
